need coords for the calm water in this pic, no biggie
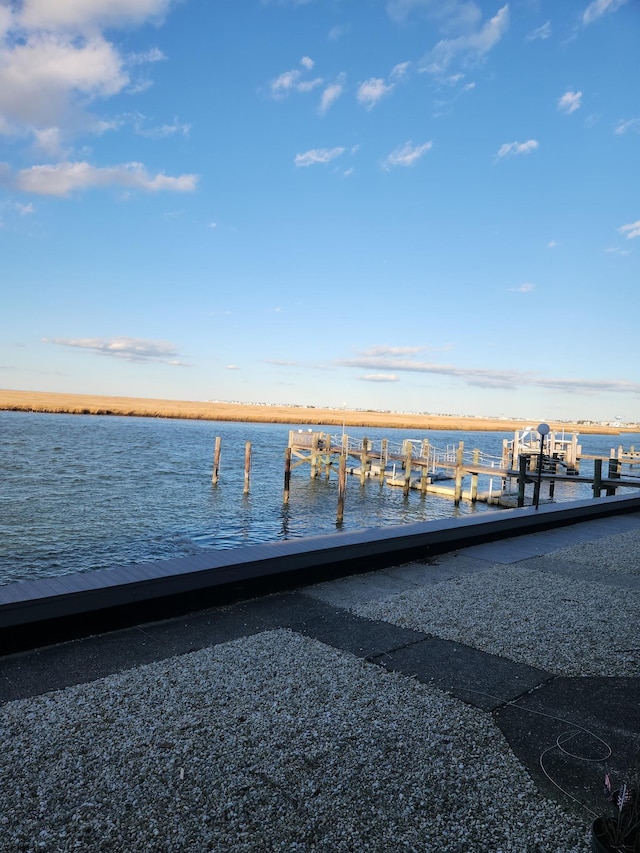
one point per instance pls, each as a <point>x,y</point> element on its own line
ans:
<point>81,492</point>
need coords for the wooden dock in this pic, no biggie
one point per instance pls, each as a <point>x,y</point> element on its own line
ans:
<point>419,465</point>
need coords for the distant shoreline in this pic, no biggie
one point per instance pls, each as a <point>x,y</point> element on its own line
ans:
<point>88,404</point>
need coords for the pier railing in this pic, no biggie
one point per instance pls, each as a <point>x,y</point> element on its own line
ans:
<point>422,450</point>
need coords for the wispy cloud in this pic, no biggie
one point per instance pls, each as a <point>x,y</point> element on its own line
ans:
<point>570,102</point>
<point>540,33</point>
<point>616,250</point>
<point>472,376</point>
<point>400,71</point>
<point>469,48</point>
<point>513,148</point>
<point>24,209</point>
<point>450,16</point>
<point>527,287</point>
<point>630,231</point>
<point>632,124</point>
<point>129,349</point>
<point>387,350</point>
<point>552,244</point>
<point>378,377</point>
<point>176,128</point>
<point>331,93</point>
<point>598,8</point>
<point>294,80</point>
<point>488,378</point>
<point>338,31</point>
<point>372,91</point>
<point>62,179</point>
<point>318,155</point>
<point>406,155</point>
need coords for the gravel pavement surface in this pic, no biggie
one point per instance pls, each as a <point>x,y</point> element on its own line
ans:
<point>274,742</point>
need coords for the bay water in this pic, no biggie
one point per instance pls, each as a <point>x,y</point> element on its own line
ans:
<point>82,492</point>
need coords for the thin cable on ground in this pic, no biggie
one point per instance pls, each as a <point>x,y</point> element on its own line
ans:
<point>561,739</point>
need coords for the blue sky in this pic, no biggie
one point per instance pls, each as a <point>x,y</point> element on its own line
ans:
<point>417,205</point>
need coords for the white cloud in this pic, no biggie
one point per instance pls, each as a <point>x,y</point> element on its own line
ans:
<point>598,8</point>
<point>511,148</point>
<point>40,78</point>
<point>406,155</point>
<point>24,209</point>
<point>632,124</point>
<point>6,20</point>
<point>55,60</point>
<point>451,16</point>
<point>318,155</point>
<point>232,367</point>
<point>471,47</point>
<point>338,31</point>
<point>331,94</point>
<point>387,350</point>
<point>49,141</point>
<point>527,287</point>
<point>400,71</point>
<point>631,231</point>
<point>541,33</point>
<point>379,377</point>
<point>551,244</point>
<point>372,90</point>
<point>129,349</point>
<point>616,250</point>
<point>64,178</point>
<point>83,15</point>
<point>488,378</point>
<point>294,81</point>
<point>160,131</point>
<point>570,102</point>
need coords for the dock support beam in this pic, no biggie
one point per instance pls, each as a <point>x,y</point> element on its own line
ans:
<point>522,478</point>
<point>597,477</point>
<point>614,473</point>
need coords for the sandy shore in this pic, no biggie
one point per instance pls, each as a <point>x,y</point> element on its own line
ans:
<point>86,404</point>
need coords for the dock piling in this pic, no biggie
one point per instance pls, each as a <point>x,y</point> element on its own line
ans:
<point>247,467</point>
<point>287,474</point>
<point>216,461</point>
<point>342,487</point>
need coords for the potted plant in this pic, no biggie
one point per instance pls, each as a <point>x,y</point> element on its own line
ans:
<point>619,831</point>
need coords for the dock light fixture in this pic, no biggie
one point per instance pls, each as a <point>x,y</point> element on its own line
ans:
<point>543,432</point>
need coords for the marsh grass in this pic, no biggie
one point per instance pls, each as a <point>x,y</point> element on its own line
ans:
<point>85,404</point>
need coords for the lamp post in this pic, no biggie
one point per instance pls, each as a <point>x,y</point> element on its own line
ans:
<point>543,431</point>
